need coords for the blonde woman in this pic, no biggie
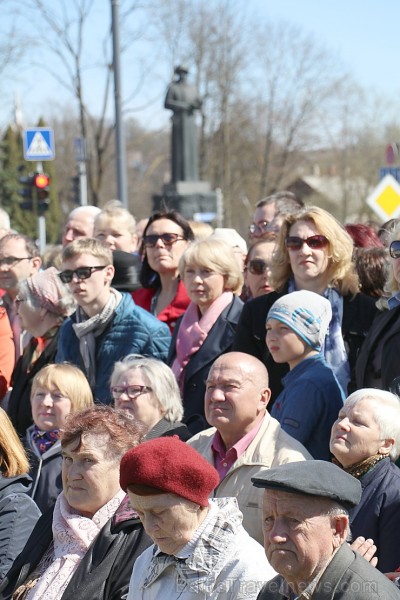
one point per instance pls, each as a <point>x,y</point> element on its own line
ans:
<point>314,253</point>
<point>18,512</point>
<point>213,280</point>
<point>57,391</point>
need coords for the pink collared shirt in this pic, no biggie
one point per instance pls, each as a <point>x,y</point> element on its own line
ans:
<point>224,459</point>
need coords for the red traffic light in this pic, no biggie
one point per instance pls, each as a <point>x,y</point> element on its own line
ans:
<point>41,181</point>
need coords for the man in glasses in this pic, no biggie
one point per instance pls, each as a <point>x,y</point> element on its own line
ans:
<point>19,259</point>
<point>107,324</point>
<point>267,218</point>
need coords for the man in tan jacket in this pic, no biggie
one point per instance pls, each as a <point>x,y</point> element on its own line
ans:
<point>244,439</point>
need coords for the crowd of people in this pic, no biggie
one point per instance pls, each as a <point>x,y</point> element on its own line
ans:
<point>174,397</point>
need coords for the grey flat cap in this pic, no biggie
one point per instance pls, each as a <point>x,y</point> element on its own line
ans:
<point>314,478</point>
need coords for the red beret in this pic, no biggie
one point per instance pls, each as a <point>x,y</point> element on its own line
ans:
<point>169,466</point>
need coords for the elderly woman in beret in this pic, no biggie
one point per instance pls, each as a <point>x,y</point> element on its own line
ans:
<point>200,547</point>
<point>365,442</point>
<point>43,302</point>
<point>85,548</point>
<point>147,388</point>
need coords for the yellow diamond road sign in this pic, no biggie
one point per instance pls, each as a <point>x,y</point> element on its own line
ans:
<point>385,199</point>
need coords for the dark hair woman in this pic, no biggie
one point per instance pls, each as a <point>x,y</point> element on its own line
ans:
<point>165,238</point>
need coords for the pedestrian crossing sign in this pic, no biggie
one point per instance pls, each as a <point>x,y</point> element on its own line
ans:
<point>38,143</point>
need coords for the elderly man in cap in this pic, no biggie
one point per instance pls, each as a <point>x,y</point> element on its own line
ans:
<point>306,524</point>
<point>200,547</point>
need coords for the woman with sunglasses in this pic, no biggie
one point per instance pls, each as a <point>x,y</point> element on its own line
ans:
<point>257,268</point>
<point>165,238</point>
<point>378,364</point>
<point>314,253</point>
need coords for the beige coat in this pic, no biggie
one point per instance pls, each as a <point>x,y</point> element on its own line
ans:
<point>271,447</point>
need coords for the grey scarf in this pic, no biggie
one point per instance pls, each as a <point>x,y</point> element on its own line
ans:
<point>88,328</point>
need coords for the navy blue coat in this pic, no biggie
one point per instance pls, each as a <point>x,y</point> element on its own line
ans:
<point>358,314</point>
<point>377,516</point>
<point>18,517</point>
<point>219,341</point>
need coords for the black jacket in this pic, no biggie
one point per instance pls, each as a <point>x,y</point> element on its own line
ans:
<point>18,516</point>
<point>19,404</point>
<point>45,472</point>
<point>218,341</point>
<point>347,577</point>
<point>386,324</point>
<point>105,570</point>
<point>358,314</point>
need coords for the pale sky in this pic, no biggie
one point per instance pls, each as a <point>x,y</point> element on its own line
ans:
<point>364,34</point>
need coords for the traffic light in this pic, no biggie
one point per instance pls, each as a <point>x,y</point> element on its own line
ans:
<point>26,192</point>
<point>41,182</point>
<point>35,189</point>
<point>76,189</point>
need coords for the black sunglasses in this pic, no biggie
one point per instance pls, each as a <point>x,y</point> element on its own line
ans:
<point>257,266</point>
<point>81,273</point>
<point>394,249</point>
<point>315,242</point>
<point>149,241</point>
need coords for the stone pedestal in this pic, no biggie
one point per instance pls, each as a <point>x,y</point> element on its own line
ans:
<point>193,199</point>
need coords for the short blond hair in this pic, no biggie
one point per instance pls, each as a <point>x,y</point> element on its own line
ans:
<point>113,209</point>
<point>87,245</point>
<point>341,269</point>
<point>216,255</point>
<point>71,382</point>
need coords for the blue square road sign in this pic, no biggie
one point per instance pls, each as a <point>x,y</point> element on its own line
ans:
<point>38,143</point>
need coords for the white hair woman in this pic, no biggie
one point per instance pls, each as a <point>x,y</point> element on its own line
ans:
<point>365,442</point>
<point>147,388</point>
<point>213,279</point>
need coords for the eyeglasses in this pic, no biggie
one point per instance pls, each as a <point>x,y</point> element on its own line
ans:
<point>149,241</point>
<point>18,300</point>
<point>394,249</point>
<point>263,227</point>
<point>257,266</point>
<point>132,391</point>
<point>11,260</point>
<point>81,273</point>
<point>315,242</point>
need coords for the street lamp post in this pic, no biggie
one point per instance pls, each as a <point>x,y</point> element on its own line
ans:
<point>119,137</point>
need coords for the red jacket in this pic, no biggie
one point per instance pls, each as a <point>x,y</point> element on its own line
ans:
<point>170,313</point>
